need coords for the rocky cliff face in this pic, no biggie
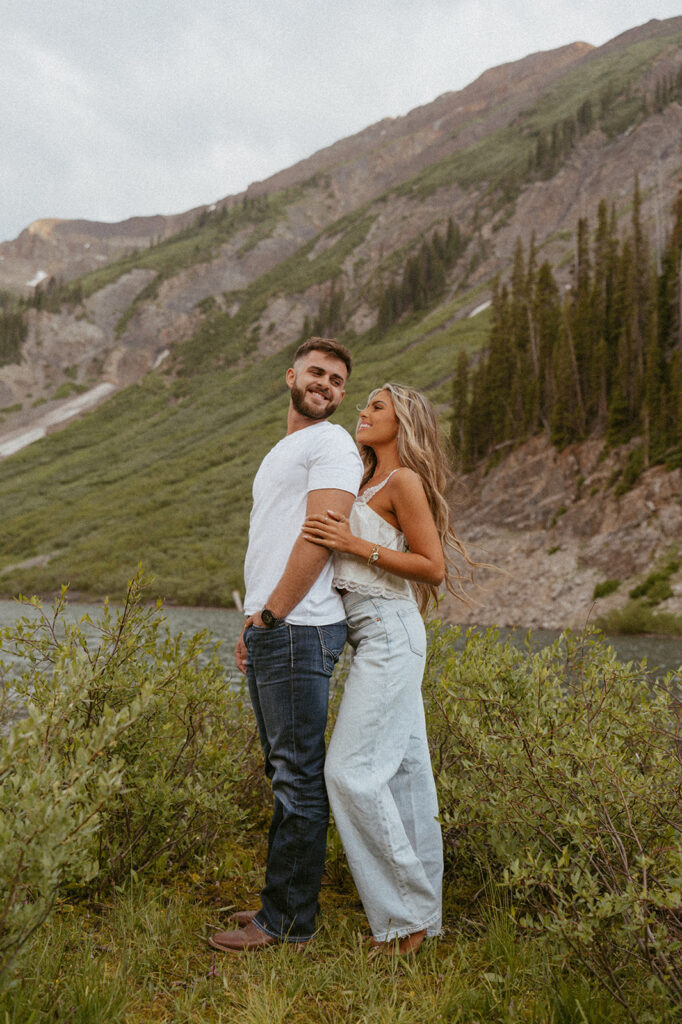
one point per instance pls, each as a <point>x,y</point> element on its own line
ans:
<point>554,526</point>
<point>68,248</point>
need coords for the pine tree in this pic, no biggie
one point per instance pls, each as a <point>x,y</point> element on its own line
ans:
<point>13,333</point>
<point>674,450</point>
<point>581,327</point>
<point>460,412</point>
<point>521,394</point>
<point>546,319</point>
<point>585,117</point>
<point>641,326</point>
<point>606,360</point>
<point>305,330</point>
<point>454,243</point>
<point>389,308</point>
<point>562,415</point>
<point>654,410</point>
<point>569,132</point>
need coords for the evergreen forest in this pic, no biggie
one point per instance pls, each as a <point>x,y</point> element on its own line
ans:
<point>601,358</point>
<point>13,328</point>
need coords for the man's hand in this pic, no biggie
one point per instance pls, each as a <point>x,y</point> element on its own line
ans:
<point>240,649</point>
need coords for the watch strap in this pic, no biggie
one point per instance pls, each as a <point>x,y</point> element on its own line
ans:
<point>269,618</point>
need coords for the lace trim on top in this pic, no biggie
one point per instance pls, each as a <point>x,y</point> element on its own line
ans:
<point>371,589</point>
<point>368,494</point>
<point>351,573</point>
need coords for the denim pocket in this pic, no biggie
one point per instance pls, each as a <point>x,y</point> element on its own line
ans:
<point>262,634</point>
<point>332,642</point>
<point>414,628</point>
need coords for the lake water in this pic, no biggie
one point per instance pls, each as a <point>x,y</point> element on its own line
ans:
<point>663,654</point>
<point>222,624</point>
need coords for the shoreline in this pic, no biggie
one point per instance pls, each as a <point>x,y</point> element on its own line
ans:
<point>82,597</point>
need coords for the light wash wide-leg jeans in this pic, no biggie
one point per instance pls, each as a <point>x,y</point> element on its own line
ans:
<point>378,771</point>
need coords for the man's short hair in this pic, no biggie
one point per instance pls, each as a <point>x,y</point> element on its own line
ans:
<point>329,345</point>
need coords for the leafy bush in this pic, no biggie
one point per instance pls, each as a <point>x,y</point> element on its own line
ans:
<point>605,588</point>
<point>559,775</point>
<point>133,755</point>
<point>53,791</point>
<point>655,587</point>
<point>636,617</point>
<point>632,471</point>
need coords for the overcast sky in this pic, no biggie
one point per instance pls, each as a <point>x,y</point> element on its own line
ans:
<point>124,107</point>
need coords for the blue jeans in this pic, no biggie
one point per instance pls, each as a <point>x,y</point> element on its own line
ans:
<point>378,770</point>
<point>288,670</point>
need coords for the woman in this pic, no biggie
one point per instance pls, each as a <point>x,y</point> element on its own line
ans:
<point>389,559</point>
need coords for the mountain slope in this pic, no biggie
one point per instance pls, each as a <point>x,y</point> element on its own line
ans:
<point>375,159</point>
<point>161,472</point>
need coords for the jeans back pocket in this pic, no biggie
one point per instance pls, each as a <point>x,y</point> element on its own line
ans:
<point>414,628</point>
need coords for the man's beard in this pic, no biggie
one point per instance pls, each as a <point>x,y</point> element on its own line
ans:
<point>313,412</point>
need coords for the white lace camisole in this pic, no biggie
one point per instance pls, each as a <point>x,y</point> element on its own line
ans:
<point>352,573</point>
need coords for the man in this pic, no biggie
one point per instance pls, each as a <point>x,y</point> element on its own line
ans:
<point>293,635</point>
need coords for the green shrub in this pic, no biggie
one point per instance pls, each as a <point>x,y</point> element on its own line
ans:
<point>632,471</point>
<point>559,775</point>
<point>605,588</point>
<point>53,792</point>
<point>636,617</point>
<point>658,591</point>
<point>133,755</point>
<point>68,388</point>
<point>655,587</point>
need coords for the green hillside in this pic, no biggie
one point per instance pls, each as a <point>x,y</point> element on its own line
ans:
<point>162,473</point>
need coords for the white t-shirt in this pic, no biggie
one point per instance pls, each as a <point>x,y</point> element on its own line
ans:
<point>320,456</point>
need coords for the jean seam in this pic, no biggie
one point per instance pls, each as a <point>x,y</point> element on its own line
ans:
<point>329,656</point>
<point>385,831</point>
<point>396,933</point>
<point>323,648</point>
<point>297,752</point>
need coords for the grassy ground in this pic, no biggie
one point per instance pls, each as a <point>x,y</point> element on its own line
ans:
<point>141,955</point>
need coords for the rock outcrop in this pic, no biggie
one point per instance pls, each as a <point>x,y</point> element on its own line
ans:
<point>554,526</point>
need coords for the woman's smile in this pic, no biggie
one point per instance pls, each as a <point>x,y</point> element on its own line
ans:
<point>378,421</point>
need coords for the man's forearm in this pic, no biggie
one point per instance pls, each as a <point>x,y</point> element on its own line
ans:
<point>304,565</point>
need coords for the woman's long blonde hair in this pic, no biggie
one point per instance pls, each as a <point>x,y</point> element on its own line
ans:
<point>420,449</point>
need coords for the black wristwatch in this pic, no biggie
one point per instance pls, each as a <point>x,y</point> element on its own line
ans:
<point>270,619</point>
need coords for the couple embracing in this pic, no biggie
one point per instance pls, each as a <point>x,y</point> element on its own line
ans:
<point>381,514</point>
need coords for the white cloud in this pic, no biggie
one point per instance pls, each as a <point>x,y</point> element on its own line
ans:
<point>110,110</point>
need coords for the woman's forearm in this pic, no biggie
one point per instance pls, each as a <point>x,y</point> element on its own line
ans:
<point>334,533</point>
<point>408,564</point>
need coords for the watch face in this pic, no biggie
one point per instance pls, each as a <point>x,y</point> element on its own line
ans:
<point>267,617</point>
